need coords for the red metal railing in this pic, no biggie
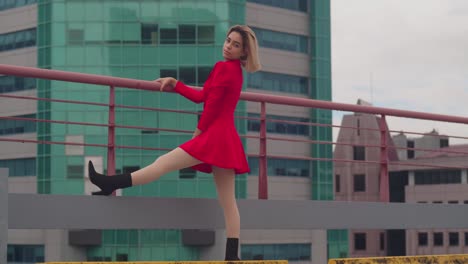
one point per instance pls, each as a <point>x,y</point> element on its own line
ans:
<point>263,99</point>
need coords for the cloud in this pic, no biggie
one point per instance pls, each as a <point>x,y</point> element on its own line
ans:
<point>410,55</point>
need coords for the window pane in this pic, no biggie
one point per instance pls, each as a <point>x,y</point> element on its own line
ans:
<point>149,33</point>
<point>283,167</point>
<point>205,34</point>
<point>17,39</point>
<point>75,36</point>
<point>187,75</point>
<point>17,126</point>
<point>359,183</point>
<point>360,241</point>
<point>453,239</point>
<point>187,34</point>
<point>438,239</point>
<point>75,171</point>
<point>359,153</point>
<point>278,82</point>
<point>337,183</point>
<point>25,253</point>
<point>168,36</point>
<point>422,239</point>
<point>187,173</point>
<point>203,73</point>
<point>437,176</point>
<point>295,5</point>
<point>281,40</point>
<point>7,4</point>
<point>168,73</point>
<point>382,241</point>
<point>290,252</point>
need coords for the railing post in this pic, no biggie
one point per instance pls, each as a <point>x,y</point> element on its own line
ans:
<point>111,134</point>
<point>3,214</point>
<point>384,180</point>
<point>262,174</point>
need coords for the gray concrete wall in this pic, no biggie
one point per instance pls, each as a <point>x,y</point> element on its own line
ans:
<point>286,62</point>
<point>436,192</point>
<point>57,248</point>
<point>215,252</point>
<point>281,188</point>
<point>279,147</point>
<point>14,20</point>
<point>13,107</point>
<point>278,19</point>
<point>427,142</point>
<point>21,57</point>
<point>26,236</point>
<point>449,161</point>
<point>23,184</point>
<point>319,246</point>
<point>401,141</point>
<point>17,150</point>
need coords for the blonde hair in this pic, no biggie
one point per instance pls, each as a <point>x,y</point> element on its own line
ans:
<point>250,61</point>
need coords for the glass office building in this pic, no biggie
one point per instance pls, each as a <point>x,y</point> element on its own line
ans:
<point>132,39</point>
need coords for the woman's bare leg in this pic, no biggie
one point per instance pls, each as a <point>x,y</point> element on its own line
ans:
<point>174,160</point>
<point>225,186</point>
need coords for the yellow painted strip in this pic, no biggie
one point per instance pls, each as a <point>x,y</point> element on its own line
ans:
<point>432,259</point>
<point>176,262</point>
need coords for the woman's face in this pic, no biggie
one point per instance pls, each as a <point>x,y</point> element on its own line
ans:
<point>232,49</point>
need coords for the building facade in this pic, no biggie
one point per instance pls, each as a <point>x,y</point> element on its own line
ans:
<point>147,40</point>
<point>407,183</point>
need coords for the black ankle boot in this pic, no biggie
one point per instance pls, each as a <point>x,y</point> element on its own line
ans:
<point>232,247</point>
<point>108,184</point>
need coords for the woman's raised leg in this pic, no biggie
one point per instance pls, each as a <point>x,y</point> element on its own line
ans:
<point>174,160</point>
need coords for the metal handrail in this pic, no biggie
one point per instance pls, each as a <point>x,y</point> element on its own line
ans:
<point>263,99</point>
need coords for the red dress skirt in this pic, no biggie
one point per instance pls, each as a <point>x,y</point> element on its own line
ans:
<point>219,143</point>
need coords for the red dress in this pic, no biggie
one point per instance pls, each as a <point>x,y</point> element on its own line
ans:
<point>219,143</point>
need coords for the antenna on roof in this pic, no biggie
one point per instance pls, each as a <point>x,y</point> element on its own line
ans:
<point>371,84</point>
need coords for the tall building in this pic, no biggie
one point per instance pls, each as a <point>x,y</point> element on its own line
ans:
<point>410,183</point>
<point>145,40</point>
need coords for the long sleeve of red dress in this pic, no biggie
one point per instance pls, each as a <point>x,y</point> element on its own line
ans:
<point>189,93</point>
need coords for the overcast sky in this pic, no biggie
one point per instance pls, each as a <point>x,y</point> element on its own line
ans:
<point>405,54</point>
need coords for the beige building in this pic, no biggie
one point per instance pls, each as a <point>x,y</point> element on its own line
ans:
<point>357,181</point>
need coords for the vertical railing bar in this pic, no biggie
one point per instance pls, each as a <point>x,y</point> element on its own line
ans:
<point>111,134</point>
<point>262,175</point>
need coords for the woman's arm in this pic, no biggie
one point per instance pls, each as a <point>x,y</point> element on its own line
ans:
<point>190,93</point>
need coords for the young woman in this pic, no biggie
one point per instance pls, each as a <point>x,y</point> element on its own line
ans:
<point>215,146</point>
